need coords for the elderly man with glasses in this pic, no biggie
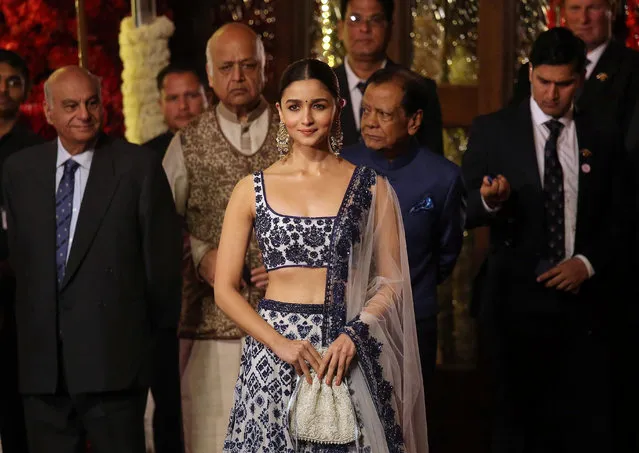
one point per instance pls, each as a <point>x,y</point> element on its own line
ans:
<point>365,30</point>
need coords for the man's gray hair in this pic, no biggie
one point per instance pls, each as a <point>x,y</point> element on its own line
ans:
<point>48,95</point>
<point>259,50</point>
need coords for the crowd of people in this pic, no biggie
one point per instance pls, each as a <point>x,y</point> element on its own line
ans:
<point>254,251</point>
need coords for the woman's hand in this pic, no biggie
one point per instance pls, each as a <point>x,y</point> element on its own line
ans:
<point>338,358</point>
<point>298,353</point>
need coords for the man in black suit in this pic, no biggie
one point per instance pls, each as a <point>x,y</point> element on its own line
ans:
<point>611,95</point>
<point>182,98</point>
<point>14,135</point>
<point>543,177</point>
<point>365,29</point>
<point>95,244</point>
<point>611,90</point>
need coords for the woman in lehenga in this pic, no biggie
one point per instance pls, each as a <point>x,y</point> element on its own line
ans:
<point>332,240</point>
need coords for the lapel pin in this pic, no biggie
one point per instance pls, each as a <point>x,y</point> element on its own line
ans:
<point>586,153</point>
<point>602,76</point>
<point>585,168</point>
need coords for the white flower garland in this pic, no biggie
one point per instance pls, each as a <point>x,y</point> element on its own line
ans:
<point>144,52</point>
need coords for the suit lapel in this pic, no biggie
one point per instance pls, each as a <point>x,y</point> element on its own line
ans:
<point>95,202</point>
<point>585,144</point>
<point>602,75</point>
<point>527,155</point>
<point>349,128</point>
<point>44,170</point>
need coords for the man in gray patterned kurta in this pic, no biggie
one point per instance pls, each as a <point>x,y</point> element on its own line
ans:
<point>203,163</point>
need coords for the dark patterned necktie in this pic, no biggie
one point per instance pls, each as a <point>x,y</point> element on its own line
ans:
<point>63,211</point>
<point>554,195</point>
<point>361,86</point>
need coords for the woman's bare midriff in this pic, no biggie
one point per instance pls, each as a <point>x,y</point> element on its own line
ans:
<point>300,285</point>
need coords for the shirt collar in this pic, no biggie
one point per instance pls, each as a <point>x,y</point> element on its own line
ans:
<point>595,54</point>
<point>352,78</point>
<point>84,159</point>
<point>539,117</point>
<point>228,115</point>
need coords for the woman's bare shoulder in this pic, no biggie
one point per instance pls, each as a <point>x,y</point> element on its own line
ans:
<point>245,189</point>
<point>347,165</point>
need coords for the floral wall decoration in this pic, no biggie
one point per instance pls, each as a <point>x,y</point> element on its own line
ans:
<point>632,23</point>
<point>44,32</point>
<point>144,51</point>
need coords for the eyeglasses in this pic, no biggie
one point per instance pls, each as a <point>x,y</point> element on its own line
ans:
<point>378,20</point>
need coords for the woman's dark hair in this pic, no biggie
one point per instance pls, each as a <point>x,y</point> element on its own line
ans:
<point>309,69</point>
<point>559,46</point>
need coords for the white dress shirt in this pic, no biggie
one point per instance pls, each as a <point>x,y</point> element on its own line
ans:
<point>247,137</point>
<point>80,182</point>
<point>356,95</point>
<point>568,153</point>
<point>593,58</point>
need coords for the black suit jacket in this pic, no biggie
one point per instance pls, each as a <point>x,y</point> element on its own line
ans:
<point>122,283</point>
<point>503,143</point>
<point>19,137</point>
<point>430,133</point>
<point>160,143</point>
<point>611,92</point>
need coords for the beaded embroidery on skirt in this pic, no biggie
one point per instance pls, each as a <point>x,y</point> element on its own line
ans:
<point>258,422</point>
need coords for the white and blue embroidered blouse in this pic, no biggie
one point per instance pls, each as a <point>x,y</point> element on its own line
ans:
<point>289,241</point>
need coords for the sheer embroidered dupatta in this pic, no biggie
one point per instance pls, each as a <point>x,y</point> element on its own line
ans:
<point>369,297</point>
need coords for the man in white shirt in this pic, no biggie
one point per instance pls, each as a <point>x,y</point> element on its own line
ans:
<point>203,163</point>
<point>543,177</point>
<point>95,244</point>
<point>365,30</point>
<point>611,95</point>
<point>611,89</point>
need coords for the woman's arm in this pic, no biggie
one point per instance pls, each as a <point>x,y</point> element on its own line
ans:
<point>236,233</point>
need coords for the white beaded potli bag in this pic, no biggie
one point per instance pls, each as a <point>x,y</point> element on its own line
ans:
<point>322,414</point>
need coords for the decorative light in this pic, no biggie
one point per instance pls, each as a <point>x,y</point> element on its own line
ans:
<point>533,19</point>
<point>445,40</point>
<point>327,46</point>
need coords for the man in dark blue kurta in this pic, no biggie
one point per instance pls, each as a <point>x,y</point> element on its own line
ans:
<point>429,188</point>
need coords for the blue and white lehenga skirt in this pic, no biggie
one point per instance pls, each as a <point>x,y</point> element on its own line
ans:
<point>258,419</point>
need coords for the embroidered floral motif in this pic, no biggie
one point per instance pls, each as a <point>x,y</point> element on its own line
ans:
<point>214,167</point>
<point>286,240</point>
<point>368,354</point>
<point>265,385</point>
<point>297,240</point>
<point>346,233</point>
